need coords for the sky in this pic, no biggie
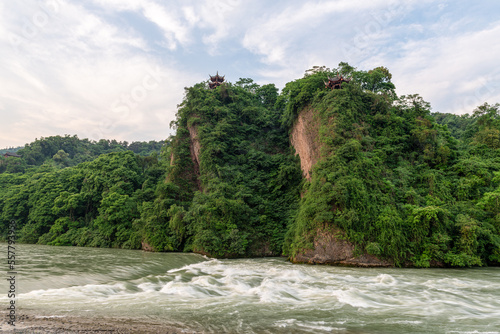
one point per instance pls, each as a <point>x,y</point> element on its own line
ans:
<point>117,69</point>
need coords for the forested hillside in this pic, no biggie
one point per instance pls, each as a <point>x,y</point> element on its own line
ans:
<point>64,151</point>
<point>235,170</point>
<point>394,181</point>
<point>91,204</point>
<point>380,174</point>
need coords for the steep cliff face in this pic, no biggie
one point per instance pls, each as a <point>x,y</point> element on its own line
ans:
<point>195,148</point>
<point>330,247</point>
<point>305,139</point>
<point>185,160</point>
<point>235,183</point>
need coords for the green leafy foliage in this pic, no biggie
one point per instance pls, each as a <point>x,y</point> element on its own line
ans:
<point>64,151</point>
<point>400,184</point>
<point>92,204</point>
<point>245,180</point>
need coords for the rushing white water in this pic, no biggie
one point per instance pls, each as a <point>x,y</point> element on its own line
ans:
<point>255,295</point>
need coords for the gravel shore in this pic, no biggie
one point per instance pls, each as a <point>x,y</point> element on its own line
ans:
<point>27,323</point>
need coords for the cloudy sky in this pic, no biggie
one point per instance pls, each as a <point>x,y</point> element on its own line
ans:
<point>117,69</point>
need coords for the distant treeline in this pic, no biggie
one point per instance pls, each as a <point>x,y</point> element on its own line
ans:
<point>66,151</point>
<point>10,149</point>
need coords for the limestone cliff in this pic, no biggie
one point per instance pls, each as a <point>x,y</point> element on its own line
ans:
<point>305,139</point>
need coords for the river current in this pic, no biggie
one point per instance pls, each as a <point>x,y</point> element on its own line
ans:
<point>268,295</point>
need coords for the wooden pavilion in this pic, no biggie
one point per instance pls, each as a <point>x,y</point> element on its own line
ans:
<point>215,80</point>
<point>336,82</point>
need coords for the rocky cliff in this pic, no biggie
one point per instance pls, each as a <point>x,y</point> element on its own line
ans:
<point>332,248</point>
<point>234,180</point>
<point>330,245</point>
<point>374,177</point>
<point>185,159</point>
<point>304,138</point>
<point>195,146</point>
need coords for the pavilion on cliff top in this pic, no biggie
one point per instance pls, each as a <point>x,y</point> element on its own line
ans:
<point>336,82</point>
<point>215,80</point>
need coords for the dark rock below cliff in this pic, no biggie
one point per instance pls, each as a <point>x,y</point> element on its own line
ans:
<point>331,248</point>
<point>146,247</point>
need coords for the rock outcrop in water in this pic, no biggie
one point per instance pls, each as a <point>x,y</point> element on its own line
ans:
<point>331,247</point>
<point>230,147</point>
<point>389,184</point>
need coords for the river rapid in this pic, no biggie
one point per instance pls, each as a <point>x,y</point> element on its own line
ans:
<point>268,295</point>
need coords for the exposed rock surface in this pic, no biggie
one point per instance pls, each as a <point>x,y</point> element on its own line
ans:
<point>146,247</point>
<point>305,139</point>
<point>195,145</point>
<point>331,248</point>
<point>195,148</point>
<point>172,159</point>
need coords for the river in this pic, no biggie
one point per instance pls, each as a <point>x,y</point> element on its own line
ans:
<point>268,295</point>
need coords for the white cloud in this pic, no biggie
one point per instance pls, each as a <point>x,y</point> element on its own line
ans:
<point>455,73</point>
<point>275,37</point>
<point>190,15</point>
<point>81,75</point>
<point>71,67</point>
<point>166,16</point>
<point>173,29</point>
<point>220,20</point>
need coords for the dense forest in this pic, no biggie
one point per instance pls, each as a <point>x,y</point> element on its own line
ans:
<point>66,151</point>
<point>401,183</point>
<point>70,191</point>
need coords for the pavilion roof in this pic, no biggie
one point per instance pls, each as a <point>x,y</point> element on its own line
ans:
<point>11,154</point>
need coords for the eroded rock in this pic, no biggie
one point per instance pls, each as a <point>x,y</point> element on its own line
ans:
<point>331,247</point>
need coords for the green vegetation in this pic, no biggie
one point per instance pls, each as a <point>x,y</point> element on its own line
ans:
<point>90,204</point>
<point>67,151</point>
<point>401,183</point>
<point>10,149</point>
<point>242,188</point>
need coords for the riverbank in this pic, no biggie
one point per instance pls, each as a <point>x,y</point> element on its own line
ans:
<point>31,323</point>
